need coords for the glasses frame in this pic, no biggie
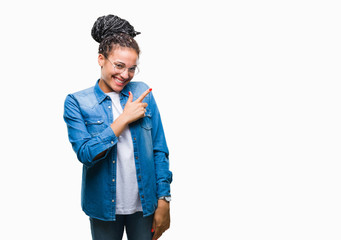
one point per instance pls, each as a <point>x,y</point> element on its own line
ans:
<point>131,71</point>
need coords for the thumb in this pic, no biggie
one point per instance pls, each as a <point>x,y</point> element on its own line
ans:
<point>130,98</point>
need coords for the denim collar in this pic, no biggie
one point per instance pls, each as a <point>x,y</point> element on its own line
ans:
<point>100,95</point>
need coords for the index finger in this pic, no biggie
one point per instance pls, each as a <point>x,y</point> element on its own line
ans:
<point>143,95</point>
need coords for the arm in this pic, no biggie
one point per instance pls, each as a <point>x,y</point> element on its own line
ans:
<point>89,149</point>
<point>117,126</point>
<point>163,174</point>
<point>161,220</point>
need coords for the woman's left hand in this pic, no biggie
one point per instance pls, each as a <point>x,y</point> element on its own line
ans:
<point>161,220</point>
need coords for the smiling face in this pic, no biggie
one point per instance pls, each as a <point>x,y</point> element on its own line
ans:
<point>113,79</point>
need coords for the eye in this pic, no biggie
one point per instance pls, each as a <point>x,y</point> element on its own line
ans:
<point>132,69</point>
<point>119,66</point>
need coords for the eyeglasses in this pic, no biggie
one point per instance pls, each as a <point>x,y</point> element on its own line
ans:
<point>120,68</point>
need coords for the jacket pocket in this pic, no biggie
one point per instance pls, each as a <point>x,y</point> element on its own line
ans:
<point>146,122</point>
<point>95,126</point>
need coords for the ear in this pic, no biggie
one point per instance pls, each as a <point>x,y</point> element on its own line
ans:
<point>101,59</point>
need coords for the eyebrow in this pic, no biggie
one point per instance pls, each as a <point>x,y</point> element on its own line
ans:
<point>124,63</point>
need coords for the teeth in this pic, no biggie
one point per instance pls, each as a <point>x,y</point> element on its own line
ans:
<point>119,81</point>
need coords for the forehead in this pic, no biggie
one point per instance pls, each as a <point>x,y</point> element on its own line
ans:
<point>124,55</point>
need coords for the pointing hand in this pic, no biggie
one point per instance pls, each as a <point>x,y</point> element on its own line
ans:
<point>137,109</point>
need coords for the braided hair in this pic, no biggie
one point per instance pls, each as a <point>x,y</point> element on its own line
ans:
<point>112,31</point>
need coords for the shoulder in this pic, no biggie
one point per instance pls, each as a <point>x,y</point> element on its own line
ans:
<point>85,97</point>
<point>137,86</point>
<point>84,93</point>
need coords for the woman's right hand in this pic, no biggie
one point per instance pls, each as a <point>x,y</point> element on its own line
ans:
<point>137,109</point>
<point>131,112</point>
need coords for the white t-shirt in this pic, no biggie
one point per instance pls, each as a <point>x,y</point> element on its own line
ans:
<point>127,194</point>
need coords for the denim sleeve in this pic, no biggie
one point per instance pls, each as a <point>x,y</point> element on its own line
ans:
<point>163,175</point>
<point>85,146</point>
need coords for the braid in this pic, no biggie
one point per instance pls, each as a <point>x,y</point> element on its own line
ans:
<point>111,32</point>
<point>117,40</point>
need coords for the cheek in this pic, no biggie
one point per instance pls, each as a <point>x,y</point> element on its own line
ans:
<point>106,72</point>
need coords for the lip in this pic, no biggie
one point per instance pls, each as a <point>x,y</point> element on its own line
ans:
<point>119,81</point>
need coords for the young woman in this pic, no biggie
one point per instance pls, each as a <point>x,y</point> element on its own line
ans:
<point>116,131</point>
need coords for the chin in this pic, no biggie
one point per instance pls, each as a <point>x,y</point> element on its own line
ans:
<point>118,88</point>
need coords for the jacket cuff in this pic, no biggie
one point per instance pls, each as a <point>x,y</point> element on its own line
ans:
<point>163,190</point>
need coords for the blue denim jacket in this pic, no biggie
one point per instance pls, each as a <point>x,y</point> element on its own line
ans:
<point>88,116</point>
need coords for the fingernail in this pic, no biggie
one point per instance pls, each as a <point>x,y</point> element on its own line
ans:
<point>152,230</point>
<point>150,89</point>
<point>129,93</point>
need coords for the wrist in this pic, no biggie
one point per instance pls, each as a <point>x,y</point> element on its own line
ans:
<point>119,125</point>
<point>124,119</point>
<point>161,203</point>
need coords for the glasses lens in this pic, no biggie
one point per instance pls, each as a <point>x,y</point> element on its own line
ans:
<point>119,67</point>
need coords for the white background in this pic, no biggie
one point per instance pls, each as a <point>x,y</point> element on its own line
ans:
<point>249,93</point>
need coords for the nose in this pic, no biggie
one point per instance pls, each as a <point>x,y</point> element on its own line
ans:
<point>125,74</point>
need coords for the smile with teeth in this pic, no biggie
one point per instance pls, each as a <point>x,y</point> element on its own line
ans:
<point>121,81</point>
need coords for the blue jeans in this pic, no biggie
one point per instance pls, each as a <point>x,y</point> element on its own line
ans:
<point>137,227</point>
